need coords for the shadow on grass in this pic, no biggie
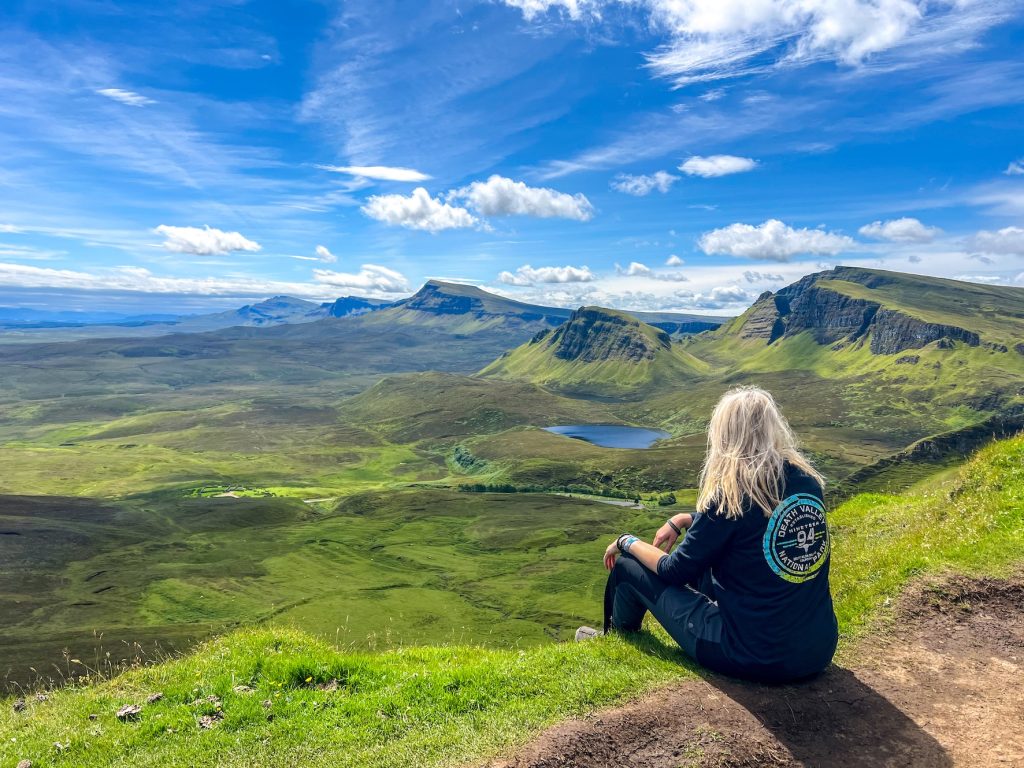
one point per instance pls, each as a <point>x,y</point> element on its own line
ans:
<point>834,719</point>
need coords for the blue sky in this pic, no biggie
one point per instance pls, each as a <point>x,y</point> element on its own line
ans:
<point>646,154</point>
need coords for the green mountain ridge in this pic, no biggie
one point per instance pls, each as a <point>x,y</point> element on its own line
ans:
<point>598,351</point>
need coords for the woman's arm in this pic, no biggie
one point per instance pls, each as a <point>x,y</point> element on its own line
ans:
<point>647,554</point>
<point>706,538</point>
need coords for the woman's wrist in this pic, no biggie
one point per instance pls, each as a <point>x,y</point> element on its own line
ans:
<point>625,541</point>
<point>680,521</point>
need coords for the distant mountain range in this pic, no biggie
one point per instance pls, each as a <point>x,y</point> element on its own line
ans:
<point>436,299</point>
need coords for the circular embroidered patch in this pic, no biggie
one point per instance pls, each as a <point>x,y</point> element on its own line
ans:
<point>796,540</point>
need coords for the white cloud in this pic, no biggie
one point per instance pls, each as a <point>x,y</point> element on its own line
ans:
<point>418,211</point>
<point>670,277</point>
<point>204,242</point>
<point>719,297</point>
<point>717,165</point>
<point>130,98</point>
<point>371,277</point>
<point>1015,168</point>
<point>325,255</point>
<point>905,230</point>
<point>500,196</point>
<point>762,277</point>
<point>137,279</point>
<point>640,186</point>
<point>772,240</point>
<point>1008,241</point>
<point>527,275</point>
<point>708,40</point>
<point>380,172</point>
<point>635,269</point>
<point>674,261</point>
<point>574,8</point>
<point>9,229</point>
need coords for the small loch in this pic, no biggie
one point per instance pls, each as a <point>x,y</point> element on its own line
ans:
<point>611,435</point>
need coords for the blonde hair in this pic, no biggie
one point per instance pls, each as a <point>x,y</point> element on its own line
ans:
<point>749,441</point>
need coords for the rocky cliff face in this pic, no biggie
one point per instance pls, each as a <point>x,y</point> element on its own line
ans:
<point>431,298</point>
<point>832,317</point>
<point>594,335</point>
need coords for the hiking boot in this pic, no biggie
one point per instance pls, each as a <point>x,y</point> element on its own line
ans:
<point>587,633</point>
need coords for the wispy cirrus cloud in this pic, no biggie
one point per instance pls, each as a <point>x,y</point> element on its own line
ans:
<point>378,172</point>
<point>709,40</point>
<point>130,98</point>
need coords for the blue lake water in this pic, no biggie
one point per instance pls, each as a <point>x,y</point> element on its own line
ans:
<point>611,435</point>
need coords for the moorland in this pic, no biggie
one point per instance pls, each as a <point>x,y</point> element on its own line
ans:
<point>383,479</point>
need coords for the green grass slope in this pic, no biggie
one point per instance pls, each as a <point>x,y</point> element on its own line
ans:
<point>311,702</point>
<point>600,352</point>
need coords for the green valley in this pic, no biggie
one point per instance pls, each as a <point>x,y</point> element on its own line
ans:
<point>342,475</point>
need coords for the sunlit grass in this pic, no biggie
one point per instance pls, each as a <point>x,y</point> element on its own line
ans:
<point>449,704</point>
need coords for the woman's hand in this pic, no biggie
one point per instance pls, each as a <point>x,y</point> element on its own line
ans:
<point>666,536</point>
<point>610,554</point>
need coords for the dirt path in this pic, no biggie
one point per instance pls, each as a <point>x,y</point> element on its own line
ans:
<point>945,689</point>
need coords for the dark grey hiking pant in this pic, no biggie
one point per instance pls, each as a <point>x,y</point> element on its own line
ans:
<point>689,614</point>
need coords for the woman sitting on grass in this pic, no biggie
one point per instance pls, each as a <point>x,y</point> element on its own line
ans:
<point>746,593</point>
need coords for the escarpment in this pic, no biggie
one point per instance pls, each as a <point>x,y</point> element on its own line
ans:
<point>593,335</point>
<point>834,317</point>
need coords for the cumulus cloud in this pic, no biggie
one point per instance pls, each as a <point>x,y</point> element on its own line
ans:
<point>717,165</point>
<point>640,186</point>
<point>674,261</point>
<point>418,211</point>
<point>635,269</point>
<point>527,275</point>
<point>719,297</point>
<point>379,172</point>
<point>204,242</point>
<point>1008,241</point>
<point>130,98</point>
<point>371,277</point>
<point>752,276</point>
<point>772,240</point>
<point>324,254</point>
<point>1015,168</point>
<point>671,277</point>
<point>905,230</point>
<point>500,196</point>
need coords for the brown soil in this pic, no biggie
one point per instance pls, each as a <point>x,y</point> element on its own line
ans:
<point>945,688</point>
